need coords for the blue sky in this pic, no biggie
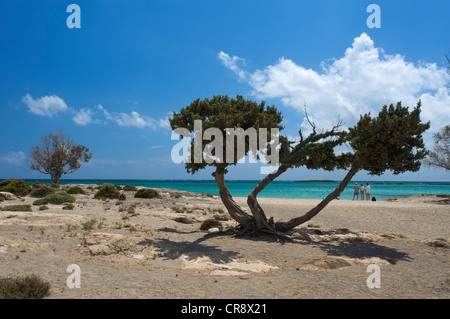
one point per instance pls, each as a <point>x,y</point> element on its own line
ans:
<point>112,83</point>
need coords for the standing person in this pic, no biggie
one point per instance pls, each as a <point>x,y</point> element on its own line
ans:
<point>361,191</point>
<point>356,190</point>
<point>368,191</point>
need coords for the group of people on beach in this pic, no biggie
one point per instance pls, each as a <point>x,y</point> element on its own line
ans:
<point>361,190</point>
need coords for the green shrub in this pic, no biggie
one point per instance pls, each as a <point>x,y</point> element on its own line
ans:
<point>26,287</point>
<point>147,193</point>
<point>89,225</point>
<point>207,224</point>
<point>16,186</point>
<point>75,190</point>
<point>55,198</point>
<point>107,191</point>
<point>17,208</point>
<point>41,191</point>
<point>130,188</point>
<point>68,207</point>
<point>118,187</point>
<point>43,207</point>
<point>54,185</point>
<point>38,184</point>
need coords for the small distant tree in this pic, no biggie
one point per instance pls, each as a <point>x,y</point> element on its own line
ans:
<point>440,156</point>
<point>58,155</point>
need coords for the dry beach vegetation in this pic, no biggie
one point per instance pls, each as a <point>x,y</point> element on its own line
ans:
<point>176,245</point>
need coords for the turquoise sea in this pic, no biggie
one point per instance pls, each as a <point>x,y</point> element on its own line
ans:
<point>282,189</point>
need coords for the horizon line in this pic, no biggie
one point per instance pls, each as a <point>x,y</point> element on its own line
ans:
<point>232,180</point>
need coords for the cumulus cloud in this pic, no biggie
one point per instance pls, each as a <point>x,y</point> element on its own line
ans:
<point>363,80</point>
<point>133,119</point>
<point>13,158</point>
<point>84,117</point>
<point>232,64</point>
<point>45,106</point>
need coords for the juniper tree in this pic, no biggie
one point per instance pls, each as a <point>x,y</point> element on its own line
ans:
<point>223,113</point>
<point>439,157</point>
<point>58,155</point>
<point>391,141</point>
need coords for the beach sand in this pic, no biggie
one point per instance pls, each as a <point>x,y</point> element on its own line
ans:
<point>153,250</point>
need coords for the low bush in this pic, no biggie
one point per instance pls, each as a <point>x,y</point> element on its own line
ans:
<point>76,190</point>
<point>55,198</point>
<point>17,208</point>
<point>68,207</point>
<point>207,224</point>
<point>16,186</point>
<point>147,193</point>
<point>109,191</point>
<point>54,185</point>
<point>38,184</point>
<point>43,207</point>
<point>130,188</point>
<point>25,287</point>
<point>89,225</point>
<point>41,191</point>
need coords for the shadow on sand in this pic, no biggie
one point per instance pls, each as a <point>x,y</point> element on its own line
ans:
<point>361,250</point>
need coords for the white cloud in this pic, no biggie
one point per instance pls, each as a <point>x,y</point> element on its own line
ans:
<point>84,117</point>
<point>232,64</point>
<point>134,119</point>
<point>45,106</point>
<point>14,158</point>
<point>164,123</point>
<point>361,81</point>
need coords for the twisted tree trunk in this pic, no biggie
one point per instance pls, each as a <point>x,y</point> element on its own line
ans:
<point>257,211</point>
<point>235,211</point>
<point>285,226</point>
<point>259,222</point>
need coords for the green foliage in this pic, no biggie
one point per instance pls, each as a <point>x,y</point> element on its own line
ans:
<point>223,113</point>
<point>75,190</point>
<point>41,191</point>
<point>68,207</point>
<point>16,186</point>
<point>391,141</point>
<point>147,193</point>
<point>440,156</point>
<point>130,188</point>
<point>55,198</point>
<point>43,207</point>
<point>38,184</point>
<point>25,287</point>
<point>54,185</point>
<point>207,224</point>
<point>89,225</point>
<point>17,208</point>
<point>108,191</point>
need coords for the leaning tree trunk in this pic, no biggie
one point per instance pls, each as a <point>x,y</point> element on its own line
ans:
<point>235,211</point>
<point>257,211</point>
<point>285,226</point>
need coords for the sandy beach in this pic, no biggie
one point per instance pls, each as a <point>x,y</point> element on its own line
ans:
<point>154,248</point>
